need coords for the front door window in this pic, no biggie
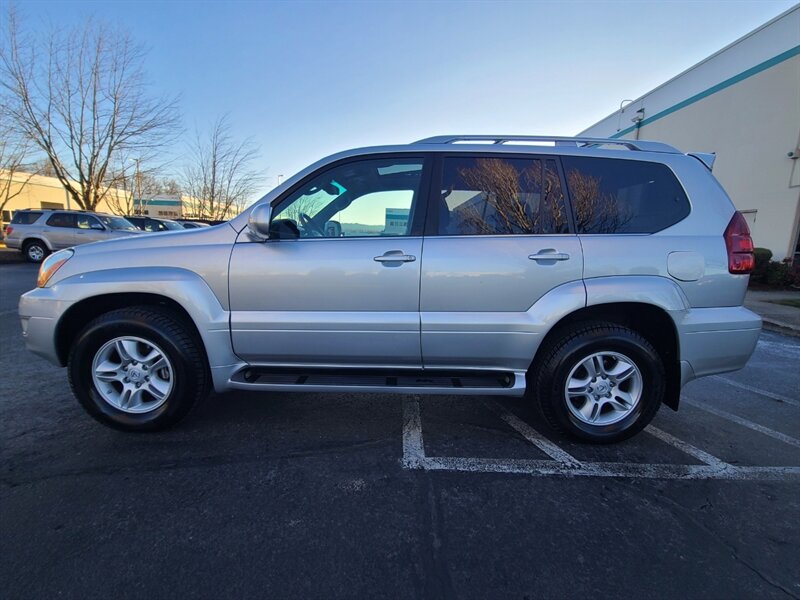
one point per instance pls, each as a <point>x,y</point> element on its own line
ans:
<point>366,198</point>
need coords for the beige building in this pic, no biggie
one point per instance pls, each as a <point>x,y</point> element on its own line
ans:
<point>742,103</point>
<point>38,191</point>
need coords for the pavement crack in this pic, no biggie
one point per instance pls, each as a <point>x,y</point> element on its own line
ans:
<point>437,582</point>
<point>686,514</point>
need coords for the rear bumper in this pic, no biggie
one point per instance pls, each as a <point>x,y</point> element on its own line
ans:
<point>12,243</point>
<point>716,340</point>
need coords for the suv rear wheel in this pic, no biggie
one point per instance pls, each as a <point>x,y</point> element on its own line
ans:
<point>35,251</point>
<point>138,369</point>
<point>599,382</point>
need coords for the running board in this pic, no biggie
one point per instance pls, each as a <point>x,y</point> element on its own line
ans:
<point>398,381</point>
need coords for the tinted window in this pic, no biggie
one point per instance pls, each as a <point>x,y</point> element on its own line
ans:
<point>88,222</point>
<point>501,196</point>
<point>373,197</point>
<point>25,218</point>
<point>116,223</point>
<point>623,196</point>
<point>152,225</point>
<point>62,220</point>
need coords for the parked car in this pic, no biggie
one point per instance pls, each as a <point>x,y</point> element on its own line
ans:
<point>192,224</point>
<point>593,277</point>
<point>153,224</point>
<point>38,232</point>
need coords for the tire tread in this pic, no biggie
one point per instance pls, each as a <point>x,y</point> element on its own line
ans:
<point>549,360</point>
<point>172,326</point>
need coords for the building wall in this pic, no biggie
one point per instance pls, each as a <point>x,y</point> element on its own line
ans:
<point>46,192</point>
<point>744,105</point>
<point>164,207</point>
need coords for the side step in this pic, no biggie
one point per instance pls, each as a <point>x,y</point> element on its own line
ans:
<point>400,381</point>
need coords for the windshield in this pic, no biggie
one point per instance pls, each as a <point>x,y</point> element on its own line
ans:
<point>117,223</point>
<point>172,224</point>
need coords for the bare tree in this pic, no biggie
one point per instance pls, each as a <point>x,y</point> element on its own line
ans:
<point>514,199</point>
<point>171,187</point>
<point>220,178</point>
<point>135,184</point>
<point>15,174</point>
<point>596,211</point>
<point>80,96</point>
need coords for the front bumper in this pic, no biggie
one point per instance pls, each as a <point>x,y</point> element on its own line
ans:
<point>39,312</point>
<point>716,340</point>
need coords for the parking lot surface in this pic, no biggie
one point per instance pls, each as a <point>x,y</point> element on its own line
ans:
<point>312,495</point>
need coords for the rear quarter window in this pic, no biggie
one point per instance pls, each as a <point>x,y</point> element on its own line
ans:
<point>25,218</point>
<point>623,196</point>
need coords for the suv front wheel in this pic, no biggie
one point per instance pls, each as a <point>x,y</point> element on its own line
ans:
<point>599,382</point>
<point>138,369</point>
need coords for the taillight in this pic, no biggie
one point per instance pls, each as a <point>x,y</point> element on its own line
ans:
<point>740,246</point>
<point>9,229</point>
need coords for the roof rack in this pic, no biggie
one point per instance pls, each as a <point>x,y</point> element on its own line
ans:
<point>640,145</point>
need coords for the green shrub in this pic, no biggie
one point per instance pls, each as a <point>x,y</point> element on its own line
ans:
<point>779,274</point>
<point>762,256</point>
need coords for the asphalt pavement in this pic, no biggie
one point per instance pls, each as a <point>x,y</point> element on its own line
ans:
<point>347,496</point>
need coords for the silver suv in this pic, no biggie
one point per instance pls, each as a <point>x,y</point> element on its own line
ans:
<point>593,277</point>
<point>38,232</point>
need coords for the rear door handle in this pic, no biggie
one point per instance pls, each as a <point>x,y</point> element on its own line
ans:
<point>394,256</point>
<point>549,255</point>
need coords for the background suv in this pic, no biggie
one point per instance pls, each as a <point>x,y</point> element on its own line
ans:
<point>593,277</point>
<point>37,233</point>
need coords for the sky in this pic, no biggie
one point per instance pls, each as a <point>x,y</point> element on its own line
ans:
<point>306,79</point>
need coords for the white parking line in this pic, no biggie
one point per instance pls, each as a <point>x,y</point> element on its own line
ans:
<point>687,448</point>
<point>545,468</point>
<point>766,393</point>
<point>744,422</point>
<point>565,465</point>
<point>534,437</point>
<point>413,450</point>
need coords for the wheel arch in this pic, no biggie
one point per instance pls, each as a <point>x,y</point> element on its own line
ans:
<point>79,314</point>
<point>182,291</point>
<point>651,321</point>
<point>35,238</point>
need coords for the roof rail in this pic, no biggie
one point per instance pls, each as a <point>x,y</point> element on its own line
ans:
<point>641,145</point>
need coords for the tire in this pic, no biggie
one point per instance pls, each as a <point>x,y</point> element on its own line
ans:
<point>35,251</point>
<point>118,379</point>
<point>619,402</point>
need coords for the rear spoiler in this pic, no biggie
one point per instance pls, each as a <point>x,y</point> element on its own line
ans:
<point>707,158</point>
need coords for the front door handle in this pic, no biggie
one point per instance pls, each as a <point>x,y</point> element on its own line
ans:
<point>394,256</point>
<point>549,254</point>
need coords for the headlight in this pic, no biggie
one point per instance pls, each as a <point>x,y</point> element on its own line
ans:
<point>52,264</point>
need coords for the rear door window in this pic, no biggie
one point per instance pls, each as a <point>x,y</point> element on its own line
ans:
<point>25,218</point>
<point>63,220</point>
<point>623,196</point>
<point>501,196</point>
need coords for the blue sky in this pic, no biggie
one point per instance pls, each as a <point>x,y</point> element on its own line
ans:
<point>306,79</point>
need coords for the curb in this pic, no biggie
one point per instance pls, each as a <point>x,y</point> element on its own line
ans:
<point>780,327</point>
<point>10,257</point>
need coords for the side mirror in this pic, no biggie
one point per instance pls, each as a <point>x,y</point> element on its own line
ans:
<point>259,221</point>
